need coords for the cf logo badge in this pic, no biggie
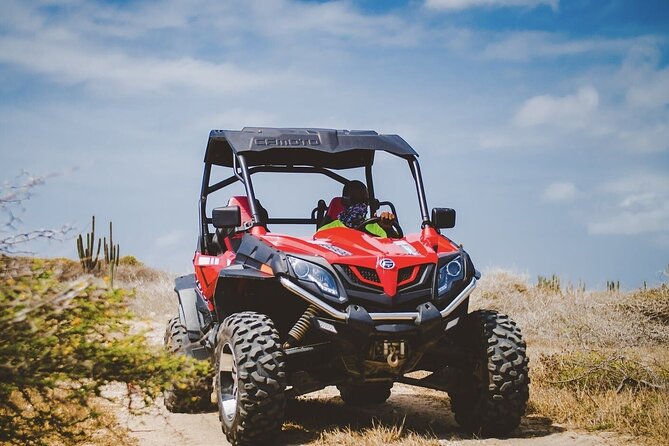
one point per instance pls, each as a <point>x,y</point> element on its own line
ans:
<point>386,264</point>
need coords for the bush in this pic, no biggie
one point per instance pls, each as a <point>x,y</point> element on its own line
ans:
<point>60,343</point>
<point>600,390</point>
<point>593,371</point>
<point>130,261</point>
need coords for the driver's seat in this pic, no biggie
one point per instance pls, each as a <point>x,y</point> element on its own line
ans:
<point>335,207</point>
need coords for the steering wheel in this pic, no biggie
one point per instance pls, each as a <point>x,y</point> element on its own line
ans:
<point>395,225</point>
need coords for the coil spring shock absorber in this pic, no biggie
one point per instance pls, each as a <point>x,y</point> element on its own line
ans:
<point>301,327</point>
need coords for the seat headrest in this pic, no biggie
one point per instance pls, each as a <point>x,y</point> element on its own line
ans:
<point>335,207</point>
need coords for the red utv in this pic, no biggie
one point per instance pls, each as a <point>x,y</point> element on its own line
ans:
<point>280,316</point>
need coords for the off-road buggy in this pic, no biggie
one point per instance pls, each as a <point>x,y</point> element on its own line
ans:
<point>280,316</point>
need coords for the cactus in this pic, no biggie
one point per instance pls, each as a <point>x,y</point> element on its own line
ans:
<point>578,288</point>
<point>88,262</point>
<point>111,254</point>
<point>111,251</point>
<point>549,284</point>
<point>613,286</point>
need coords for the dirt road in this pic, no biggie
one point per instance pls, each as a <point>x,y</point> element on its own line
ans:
<point>423,412</point>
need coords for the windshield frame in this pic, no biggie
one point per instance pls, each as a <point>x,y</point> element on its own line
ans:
<point>242,173</point>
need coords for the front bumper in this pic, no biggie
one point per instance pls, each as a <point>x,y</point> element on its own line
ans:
<point>408,316</point>
<point>358,336</point>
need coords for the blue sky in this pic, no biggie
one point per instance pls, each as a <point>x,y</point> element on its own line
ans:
<point>545,123</point>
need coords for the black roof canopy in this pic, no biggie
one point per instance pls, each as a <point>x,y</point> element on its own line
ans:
<point>335,149</point>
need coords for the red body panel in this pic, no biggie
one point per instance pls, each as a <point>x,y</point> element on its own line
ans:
<point>244,209</point>
<point>341,246</point>
<point>206,272</point>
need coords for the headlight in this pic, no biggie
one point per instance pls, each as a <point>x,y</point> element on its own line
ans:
<point>448,274</point>
<point>313,273</point>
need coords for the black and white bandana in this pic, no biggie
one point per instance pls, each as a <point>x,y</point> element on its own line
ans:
<point>353,215</point>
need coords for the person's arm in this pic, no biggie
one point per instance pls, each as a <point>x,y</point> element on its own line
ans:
<point>387,220</point>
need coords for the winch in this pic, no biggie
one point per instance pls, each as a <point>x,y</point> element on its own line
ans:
<point>390,351</point>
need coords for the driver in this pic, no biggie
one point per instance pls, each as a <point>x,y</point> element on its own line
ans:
<point>356,201</point>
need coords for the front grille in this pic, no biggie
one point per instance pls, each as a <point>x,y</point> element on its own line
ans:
<point>350,274</point>
<point>366,273</point>
<point>410,277</point>
<point>405,274</point>
<point>369,274</point>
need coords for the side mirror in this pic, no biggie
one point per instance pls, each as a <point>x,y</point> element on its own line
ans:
<point>226,217</point>
<point>443,218</point>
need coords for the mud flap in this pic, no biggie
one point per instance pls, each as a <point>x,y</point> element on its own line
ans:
<point>193,310</point>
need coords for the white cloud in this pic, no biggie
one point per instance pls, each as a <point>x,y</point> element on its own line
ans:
<point>455,5</point>
<point>524,46</point>
<point>132,89</point>
<point>157,47</point>
<point>338,20</point>
<point>558,110</point>
<point>644,137</point>
<point>651,90</point>
<point>637,204</point>
<point>559,191</point>
<point>74,62</point>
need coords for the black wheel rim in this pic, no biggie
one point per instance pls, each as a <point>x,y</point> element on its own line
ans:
<point>228,394</point>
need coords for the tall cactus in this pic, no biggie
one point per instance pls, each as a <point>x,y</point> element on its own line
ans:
<point>88,262</point>
<point>111,254</point>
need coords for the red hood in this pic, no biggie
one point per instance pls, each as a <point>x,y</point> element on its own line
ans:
<point>351,247</point>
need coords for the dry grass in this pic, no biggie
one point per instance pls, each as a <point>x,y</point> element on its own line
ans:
<point>153,289</point>
<point>605,392</point>
<point>376,435</point>
<point>154,296</point>
<point>600,360</point>
<point>577,319</point>
<point>640,414</point>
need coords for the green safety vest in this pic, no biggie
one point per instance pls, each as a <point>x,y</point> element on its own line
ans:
<point>372,228</point>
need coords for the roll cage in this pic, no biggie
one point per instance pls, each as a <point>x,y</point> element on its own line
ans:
<point>319,151</point>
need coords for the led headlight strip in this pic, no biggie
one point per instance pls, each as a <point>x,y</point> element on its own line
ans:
<point>448,274</point>
<point>315,274</point>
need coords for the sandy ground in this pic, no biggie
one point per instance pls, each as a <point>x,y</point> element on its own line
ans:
<point>424,412</point>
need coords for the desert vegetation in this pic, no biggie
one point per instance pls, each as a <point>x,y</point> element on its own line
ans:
<point>599,362</point>
<point>599,359</point>
<point>64,336</point>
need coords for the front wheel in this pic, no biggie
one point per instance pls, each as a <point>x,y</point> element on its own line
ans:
<point>250,379</point>
<point>492,389</point>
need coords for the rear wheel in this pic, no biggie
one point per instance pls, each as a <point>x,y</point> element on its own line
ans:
<point>182,397</point>
<point>368,393</point>
<point>490,394</point>
<point>250,379</point>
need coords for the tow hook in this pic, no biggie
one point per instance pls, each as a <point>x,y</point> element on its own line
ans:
<point>393,359</point>
<point>393,351</point>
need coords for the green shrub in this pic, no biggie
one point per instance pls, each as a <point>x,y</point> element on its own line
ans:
<point>130,261</point>
<point>60,343</point>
